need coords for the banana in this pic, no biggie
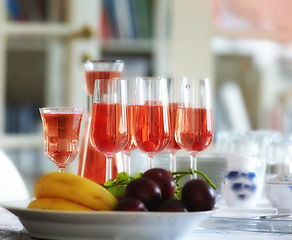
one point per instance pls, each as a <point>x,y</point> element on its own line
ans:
<point>57,204</point>
<point>74,188</point>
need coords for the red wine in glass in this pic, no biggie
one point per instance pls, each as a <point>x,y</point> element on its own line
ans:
<point>194,125</point>
<point>108,130</point>
<point>108,134</point>
<point>197,133</point>
<point>61,134</point>
<point>151,125</point>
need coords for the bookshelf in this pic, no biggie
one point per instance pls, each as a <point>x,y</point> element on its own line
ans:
<point>40,32</point>
<point>41,46</point>
<point>137,32</point>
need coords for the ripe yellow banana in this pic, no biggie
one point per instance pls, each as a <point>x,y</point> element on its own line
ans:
<point>57,204</point>
<point>74,188</point>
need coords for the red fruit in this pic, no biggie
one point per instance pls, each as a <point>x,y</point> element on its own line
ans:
<point>131,204</point>
<point>145,190</point>
<point>172,205</point>
<point>149,146</point>
<point>198,195</point>
<point>164,179</point>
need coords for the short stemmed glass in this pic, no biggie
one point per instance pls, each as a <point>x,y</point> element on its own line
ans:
<point>108,130</point>
<point>194,127</point>
<point>172,146</point>
<point>151,125</point>
<point>61,134</point>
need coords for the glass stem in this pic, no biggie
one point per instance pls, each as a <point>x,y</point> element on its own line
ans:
<point>89,103</point>
<point>62,169</point>
<point>193,164</point>
<point>108,174</point>
<point>172,162</point>
<point>127,166</point>
<point>150,162</point>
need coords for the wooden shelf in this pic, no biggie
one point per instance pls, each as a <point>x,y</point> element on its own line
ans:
<point>36,29</point>
<point>127,46</point>
<point>253,34</point>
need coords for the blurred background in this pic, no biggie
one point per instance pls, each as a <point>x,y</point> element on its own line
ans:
<point>244,47</point>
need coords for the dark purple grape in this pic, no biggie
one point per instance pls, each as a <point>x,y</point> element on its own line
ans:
<point>164,179</point>
<point>198,195</point>
<point>172,205</point>
<point>145,190</point>
<point>131,204</point>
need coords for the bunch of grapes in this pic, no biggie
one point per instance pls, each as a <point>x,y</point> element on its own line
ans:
<point>158,190</point>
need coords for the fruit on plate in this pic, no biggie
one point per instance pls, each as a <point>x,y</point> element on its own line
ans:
<point>145,190</point>
<point>164,179</point>
<point>159,190</point>
<point>57,204</point>
<point>131,204</point>
<point>172,205</point>
<point>76,189</point>
<point>197,195</point>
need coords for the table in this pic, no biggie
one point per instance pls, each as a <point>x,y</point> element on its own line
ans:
<point>12,229</point>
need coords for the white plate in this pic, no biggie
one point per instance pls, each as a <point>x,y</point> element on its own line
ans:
<point>63,225</point>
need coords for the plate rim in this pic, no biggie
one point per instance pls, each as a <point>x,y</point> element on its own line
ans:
<point>10,206</point>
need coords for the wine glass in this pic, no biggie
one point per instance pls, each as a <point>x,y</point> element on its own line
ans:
<point>108,130</point>
<point>172,146</point>
<point>151,125</point>
<point>194,126</point>
<point>61,134</point>
<point>131,92</point>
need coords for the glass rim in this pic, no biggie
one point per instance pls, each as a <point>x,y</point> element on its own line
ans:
<point>193,78</point>
<point>150,78</point>
<point>62,109</point>
<point>115,65</point>
<point>103,61</point>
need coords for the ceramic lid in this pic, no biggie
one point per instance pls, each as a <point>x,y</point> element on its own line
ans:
<point>281,179</point>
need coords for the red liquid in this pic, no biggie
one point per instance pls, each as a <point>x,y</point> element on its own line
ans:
<point>172,144</point>
<point>130,121</point>
<point>108,135</point>
<point>149,129</point>
<point>194,131</point>
<point>61,137</point>
<point>91,76</point>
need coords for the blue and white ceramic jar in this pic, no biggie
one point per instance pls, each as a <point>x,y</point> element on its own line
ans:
<point>242,184</point>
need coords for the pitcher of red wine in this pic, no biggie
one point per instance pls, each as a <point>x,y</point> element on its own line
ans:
<point>92,164</point>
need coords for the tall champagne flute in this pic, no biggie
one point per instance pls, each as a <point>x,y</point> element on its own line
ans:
<point>172,146</point>
<point>131,92</point>
<point>61,134</point>
<point>108,131</point>
<point>194,126</point>
<point>151,125</point>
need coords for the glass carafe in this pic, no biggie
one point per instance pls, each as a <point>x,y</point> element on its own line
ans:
<point>92,164</point>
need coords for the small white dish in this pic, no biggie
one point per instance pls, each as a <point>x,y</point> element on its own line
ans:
<point>65,225</point>
<point>279,192</point>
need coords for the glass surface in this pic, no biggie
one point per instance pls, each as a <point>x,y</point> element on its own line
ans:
<point>194,126</point>
<point>61,134</point>
<point>108,129</point>
<point>151,125</point>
